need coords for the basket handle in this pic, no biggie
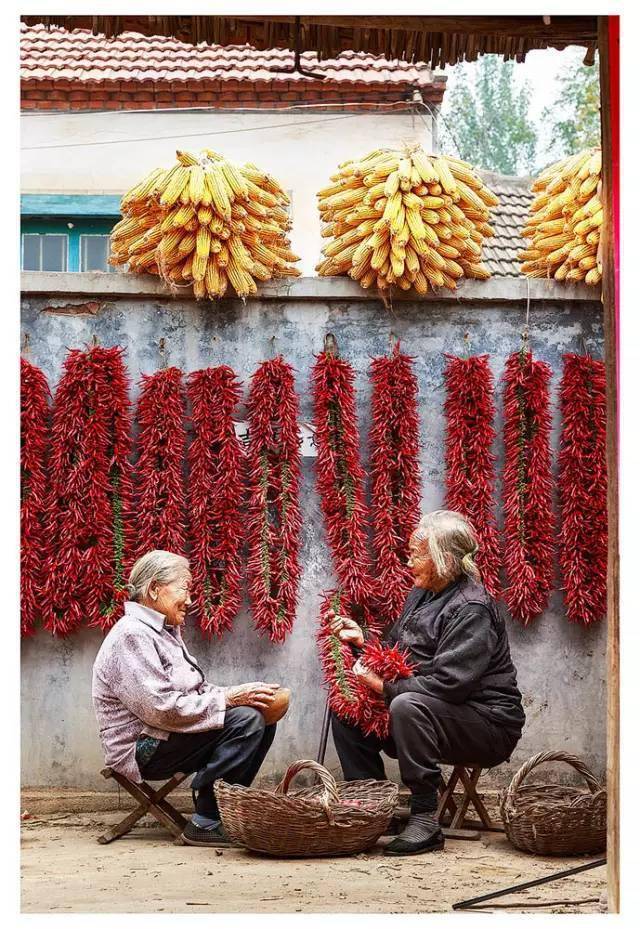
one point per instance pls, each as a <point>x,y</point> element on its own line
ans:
<point>330,794</point>
<point>508,796</point>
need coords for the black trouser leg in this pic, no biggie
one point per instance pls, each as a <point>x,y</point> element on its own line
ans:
<point>359,754</point>
<point>426,730</point>
<point>233,753</point>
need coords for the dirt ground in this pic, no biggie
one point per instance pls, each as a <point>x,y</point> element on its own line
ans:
<point>64,870</point>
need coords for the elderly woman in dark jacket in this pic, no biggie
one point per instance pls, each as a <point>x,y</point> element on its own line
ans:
<point>462,703</point>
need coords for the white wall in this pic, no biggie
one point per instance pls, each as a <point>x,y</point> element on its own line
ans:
<point>108,152</point>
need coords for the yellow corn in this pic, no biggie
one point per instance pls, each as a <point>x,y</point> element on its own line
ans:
<point>392,184</point>
<point>173,190</point>
<point>203,242</point>
<point>446,178</point>
<point>235,180</point>
<point>424,166</point>
<point>186,159</point>
<point>219,196</point>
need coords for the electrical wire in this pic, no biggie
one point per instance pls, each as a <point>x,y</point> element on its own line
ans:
<point>408,104</point>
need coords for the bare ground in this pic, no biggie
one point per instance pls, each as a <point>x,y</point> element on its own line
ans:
<point>64,870</point>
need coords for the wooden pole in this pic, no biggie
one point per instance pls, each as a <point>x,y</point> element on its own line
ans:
<point>608,40</point>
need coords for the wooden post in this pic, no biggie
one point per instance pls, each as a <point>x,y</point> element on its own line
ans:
<point>608,40</point>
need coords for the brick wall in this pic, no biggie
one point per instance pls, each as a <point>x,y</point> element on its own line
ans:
<point>136,95</point>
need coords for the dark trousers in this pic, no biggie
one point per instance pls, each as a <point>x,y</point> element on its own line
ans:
<point>423,732</point>
<point>233,753</point>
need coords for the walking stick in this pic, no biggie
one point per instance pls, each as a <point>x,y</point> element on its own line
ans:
<point>324,735</point>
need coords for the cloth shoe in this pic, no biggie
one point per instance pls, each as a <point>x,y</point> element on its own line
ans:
<point>214,838</point>
<point>421,834</point>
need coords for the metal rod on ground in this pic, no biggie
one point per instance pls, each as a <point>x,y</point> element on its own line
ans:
<point>324,735</point>
<point>467,904</point>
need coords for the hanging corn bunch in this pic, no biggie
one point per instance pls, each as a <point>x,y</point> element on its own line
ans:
<point>565,220</point>
<point>405,218</point>
<point>207,222</point>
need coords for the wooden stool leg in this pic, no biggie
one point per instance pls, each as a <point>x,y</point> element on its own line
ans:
<point>149,801</point>
<point>126,825</point>
<point>446,803</point>
<point>143,792</point>
<point>158,805</point>
<point>468,783</point>
<point>472,796</point>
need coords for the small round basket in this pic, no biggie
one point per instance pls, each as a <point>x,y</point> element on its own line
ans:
<point>553,820</point>
<point>328,819</point>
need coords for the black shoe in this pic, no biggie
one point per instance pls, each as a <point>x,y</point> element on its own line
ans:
<point>434,843</point>
<point>214,838</point>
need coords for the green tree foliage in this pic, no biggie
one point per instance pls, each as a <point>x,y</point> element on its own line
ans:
<point>573,118</point>
<point>487,115</point>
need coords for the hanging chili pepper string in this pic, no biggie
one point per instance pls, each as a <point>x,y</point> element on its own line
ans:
<point>112,392</point>
<point>340,475</point>
<point>349,698</point>
<point>216,462</point>
<point>395,474</point>
<point>341,488</point>
<point>34,447</point>
<point>337,659</point>
<point>161,444</point>
<point>274,520</point>
<point>89,506</point>
<point>470,464</point>
<point>528,516</point>
<point>582,484</point>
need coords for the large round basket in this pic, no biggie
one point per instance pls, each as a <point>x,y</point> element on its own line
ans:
<point>553,820</point>
<point>328,819</point>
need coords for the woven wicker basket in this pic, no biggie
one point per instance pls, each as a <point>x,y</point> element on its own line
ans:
<point>554,820</point>
<point>328,819</point>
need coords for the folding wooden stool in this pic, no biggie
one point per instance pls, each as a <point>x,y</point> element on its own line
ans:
<point>149,801</point>
<point>452,807</point>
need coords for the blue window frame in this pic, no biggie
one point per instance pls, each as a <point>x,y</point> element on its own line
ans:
<point>67,232</point>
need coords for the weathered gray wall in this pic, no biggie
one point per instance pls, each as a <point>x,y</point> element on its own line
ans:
<point>561,667</point>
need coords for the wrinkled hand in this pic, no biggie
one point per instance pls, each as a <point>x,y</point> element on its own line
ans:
<point>372,680</point>
<point>347,630</point>
<point>256,694</point>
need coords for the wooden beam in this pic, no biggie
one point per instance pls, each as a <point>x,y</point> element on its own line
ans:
<point>562,30</point>
<point>609,107</point>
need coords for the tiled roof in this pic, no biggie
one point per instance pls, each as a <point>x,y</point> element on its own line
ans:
<point>500,252</point>
<point>81,56</point>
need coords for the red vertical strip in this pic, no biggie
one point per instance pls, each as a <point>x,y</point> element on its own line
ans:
<point>614,91</point>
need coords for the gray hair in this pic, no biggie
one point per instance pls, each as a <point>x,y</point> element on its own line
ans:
<point>159,566</point>
<point>452,543</point>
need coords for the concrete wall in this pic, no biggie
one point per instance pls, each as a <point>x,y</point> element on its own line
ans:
<point>561,668</point>
<point>109,152</point>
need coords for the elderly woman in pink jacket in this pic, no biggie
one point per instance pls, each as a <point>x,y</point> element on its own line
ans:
<point>156,712</point>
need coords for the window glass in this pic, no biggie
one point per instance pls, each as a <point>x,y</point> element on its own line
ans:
<point>42,252</point>
<point>54,253</point>
<point>94,252</point>
<point>31,252</point>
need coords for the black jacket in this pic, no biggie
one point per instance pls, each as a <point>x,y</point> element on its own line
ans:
<point>458,641</point>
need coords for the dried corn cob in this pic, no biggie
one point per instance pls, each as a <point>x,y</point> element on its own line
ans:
<point>564,221</point>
